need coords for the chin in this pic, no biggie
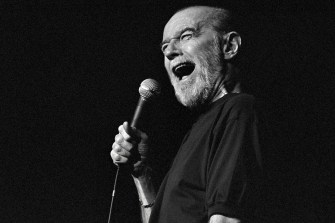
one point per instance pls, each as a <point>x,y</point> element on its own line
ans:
<point>194,95</point>
<point>195,91</point>
<point>189,103</point>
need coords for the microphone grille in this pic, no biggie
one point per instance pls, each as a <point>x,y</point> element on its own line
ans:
<point>149,89</point>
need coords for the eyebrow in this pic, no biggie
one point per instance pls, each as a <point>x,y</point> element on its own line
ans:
<point>178,35</point>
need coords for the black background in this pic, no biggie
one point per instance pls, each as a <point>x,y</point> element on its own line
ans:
<point>70,71</point>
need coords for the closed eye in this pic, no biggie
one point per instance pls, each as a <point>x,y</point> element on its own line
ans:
<point>163,47</point>
<point>186,36</point>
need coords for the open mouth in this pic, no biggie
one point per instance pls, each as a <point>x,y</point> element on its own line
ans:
<point>183,69</point>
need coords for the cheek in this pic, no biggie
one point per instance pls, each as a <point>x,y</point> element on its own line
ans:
<point>167,68</point>
<point>166,64</point>
<point>198,49</point>
<point>191,49</point>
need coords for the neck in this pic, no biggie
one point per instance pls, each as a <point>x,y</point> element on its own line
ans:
<point>223,91</point>
<point>227,84</point>
<point>220,94</point>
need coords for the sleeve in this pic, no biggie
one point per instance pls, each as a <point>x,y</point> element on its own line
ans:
<point>234,161</point>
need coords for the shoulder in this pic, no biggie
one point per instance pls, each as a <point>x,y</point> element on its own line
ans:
<point>238,105</point>
<point>231,106</point>
<point>239,101</point>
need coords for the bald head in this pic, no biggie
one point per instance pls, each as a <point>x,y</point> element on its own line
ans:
<point>220,19</point>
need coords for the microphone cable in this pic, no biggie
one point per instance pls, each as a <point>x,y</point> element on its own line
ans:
<point>113,194</point>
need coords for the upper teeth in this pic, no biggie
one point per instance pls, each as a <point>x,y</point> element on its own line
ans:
<point>179,66</point>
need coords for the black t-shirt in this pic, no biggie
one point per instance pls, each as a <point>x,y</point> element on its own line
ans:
<point>217,167</point>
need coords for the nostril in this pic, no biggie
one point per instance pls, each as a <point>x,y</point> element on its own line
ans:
<point>172,50</point>
<point>171,55</point>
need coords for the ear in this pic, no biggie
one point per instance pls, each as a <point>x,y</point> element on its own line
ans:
<point>232,43</point>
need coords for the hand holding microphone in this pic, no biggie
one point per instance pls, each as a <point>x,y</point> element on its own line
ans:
<point>131,145</point>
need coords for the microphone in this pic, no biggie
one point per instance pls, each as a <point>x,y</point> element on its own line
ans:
<point>149,89</point>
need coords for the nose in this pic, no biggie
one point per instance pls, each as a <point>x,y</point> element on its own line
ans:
<point>172,50</point>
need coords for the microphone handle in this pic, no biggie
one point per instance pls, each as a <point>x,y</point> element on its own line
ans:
<point>138,112</point>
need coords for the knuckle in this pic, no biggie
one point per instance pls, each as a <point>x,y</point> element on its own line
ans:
<point>129,146</point>
<point>116,148</point>
<point>114,155</point>
<point>118,138</point>
<point>126,136</point>
<point>126,153</point>
<point>117,157</point>
<point>115,145</point>
<point>120,128</point>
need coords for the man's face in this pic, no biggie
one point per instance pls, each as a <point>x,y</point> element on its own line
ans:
<point>193,57</point>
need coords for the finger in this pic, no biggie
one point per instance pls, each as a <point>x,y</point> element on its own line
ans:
<point>125,134</point>
<point>128,129</point>
<point>119,138</point>
<point>123,143</point>
<point>120,150</point>
<point>117,158</point>
<point>134,133</point>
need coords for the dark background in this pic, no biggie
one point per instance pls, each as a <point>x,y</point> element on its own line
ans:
<point>70,71</point>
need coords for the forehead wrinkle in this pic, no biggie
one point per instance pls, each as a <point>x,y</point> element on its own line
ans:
<point>196,26</point>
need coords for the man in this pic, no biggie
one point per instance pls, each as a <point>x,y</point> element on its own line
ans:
<point>214,175</point>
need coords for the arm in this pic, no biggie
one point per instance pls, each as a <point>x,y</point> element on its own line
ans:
<point>131,149</point>
<point>222,219</point>
<point>146,194</point>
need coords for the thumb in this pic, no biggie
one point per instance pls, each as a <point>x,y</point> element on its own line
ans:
<point>131,131</point>
<point>127,128</point>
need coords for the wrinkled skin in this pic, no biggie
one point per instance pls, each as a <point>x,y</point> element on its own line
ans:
<point>186,39</point>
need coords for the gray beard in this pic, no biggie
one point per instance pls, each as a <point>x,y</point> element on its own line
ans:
<point>195,92</point>
<point>199,90</point>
